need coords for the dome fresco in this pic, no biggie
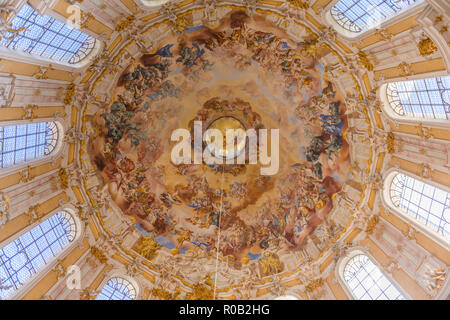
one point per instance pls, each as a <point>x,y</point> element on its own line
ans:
<point>225,149</point>
<point>247,69</point>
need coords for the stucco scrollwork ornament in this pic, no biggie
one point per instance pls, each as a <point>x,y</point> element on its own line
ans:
<point>74,135</point>
<point>251,6</point>
<point>25,175</point>
<point>88,294</point>
<point>6,9</point>
<point>63,179</point>
<point>103,61</point>
<point>246,290</point>
<point>384,34</point>
<point>5,205</point>
<point>326,35</point>
<point>178,23</point>
<point>361,216</point>
<point>353,106</point>
<point>304,5</point>
<point>426,47</point>
<point>424,132</point>
<point>390,268</point>
<point>125,23</point>
<point>133,268</point>
<point>315,288</point>
<point>343,199</point>
<point>425,171</point>
<point>76,175</point>
<point>377,141</point>
<point>277,288</point>
<point>375,180</point>
<point>69,93</point>
<point>143,43</point>
<point>405,70</point>
<point>60,270</point>
<point>365,61</point>
<point>42,72</point>
<point>409,233</point>
<point>435,278</point>
<point>340,249</point>
<point>101,196</point>
<point>390,142</point>
<point>7,89</point>
<point>209,11</point>
<point>335,70</point>
<point>323,234</point>
<point>32,214</point>
<point>372,224</point>
<point>84,211</point>
<point>85,19</point>
<point>29,112</point>
<point>309,271</point>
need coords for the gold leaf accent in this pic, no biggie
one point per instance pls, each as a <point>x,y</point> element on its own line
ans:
<point>365,61</point>
<point>200,292</point>
<point>42,73</point>
<point>98,254</point>
<point>372,224</point>
<point>385,35</point>
<point>125,23</point>
<point>313,285</point>
<point>63,178</point>
<point>164,294</point>
<point>148,247</point>
<point>390,142</point>
<point>299,4</point>
<point>85,17</point>
<point>70,91</point>
<point>270,264</point>
<point>426,47</point>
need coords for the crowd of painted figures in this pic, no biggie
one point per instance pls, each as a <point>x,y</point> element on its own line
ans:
<point>187,217</point>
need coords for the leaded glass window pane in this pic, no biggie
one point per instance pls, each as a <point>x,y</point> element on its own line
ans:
<point>366,281</point>
<point>27,142</point>
<point>423,203</point>
<point>359,15</point>
<point>47,37</point>
<point>26,256</point>
<point>117,289</point>
<point>423,98</point>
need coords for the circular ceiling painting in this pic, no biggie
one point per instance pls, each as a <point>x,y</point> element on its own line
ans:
<point>244,74</point>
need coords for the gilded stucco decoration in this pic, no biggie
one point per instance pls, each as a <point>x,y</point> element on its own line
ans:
<point>178,65</point>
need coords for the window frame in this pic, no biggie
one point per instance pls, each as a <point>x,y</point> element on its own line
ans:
<point>365,32</point>
<point>32,282</point>
<point>18,55</point>
<point>118,274</point>
<point>388,204</point>
<point>53,156</point>
<point>396,118</point>
<point>342,262</point>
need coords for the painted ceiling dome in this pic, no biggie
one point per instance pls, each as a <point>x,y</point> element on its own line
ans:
<point>226,149</point>
<point>245,73</point>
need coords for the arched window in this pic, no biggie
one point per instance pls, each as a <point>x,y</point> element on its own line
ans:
<point>46,37</point>
<point>366,281</point>
<point>422,203</point>
<point>23,258</point>
<point>361,15</point>
<point>26,142</point>
<point>117,289</point>
<point>424,98</point>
